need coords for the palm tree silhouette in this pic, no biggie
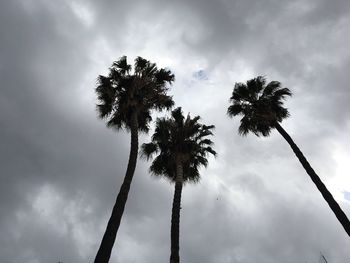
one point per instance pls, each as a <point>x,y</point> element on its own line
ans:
<point>262,108</point>
<point>126,100</point>
<point>182,146</point>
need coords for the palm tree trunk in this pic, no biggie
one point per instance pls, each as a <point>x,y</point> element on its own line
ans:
<point>109,237</point>
<point>175,216</point>
<point>317,181</point>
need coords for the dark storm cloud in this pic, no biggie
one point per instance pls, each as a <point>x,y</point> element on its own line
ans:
<point>61,168</point>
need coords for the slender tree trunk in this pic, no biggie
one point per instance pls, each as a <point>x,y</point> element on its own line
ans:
<point>317,181</point>
<point>109,237</point>
<point>175,216</point>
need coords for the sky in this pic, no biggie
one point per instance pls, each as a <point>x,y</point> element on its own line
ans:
<point>61,168</point>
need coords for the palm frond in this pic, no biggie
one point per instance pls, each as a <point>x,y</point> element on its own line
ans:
<point>234,109</point>
<point>282,93</point>
<point>116,121</point>
<point>164,102</point>
<point>104,110</point>
<point>140,64</point>
<point>148,150</point>
<point>122,65</point>
<point>164,76</point>
<point>245,126</point>
<point>271,88</point>
<point>209,149</point>
<point>178,116</point>
<point>205,142</point>
<point>106,96</point>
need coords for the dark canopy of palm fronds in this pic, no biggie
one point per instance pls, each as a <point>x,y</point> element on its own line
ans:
<point>123,92</point>
<point>260,104</point>
<point>179,139</point>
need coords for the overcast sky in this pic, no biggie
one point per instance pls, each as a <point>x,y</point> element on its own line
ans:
<point>61,168</point>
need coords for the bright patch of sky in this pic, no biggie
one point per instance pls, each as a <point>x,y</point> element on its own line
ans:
<point>347,196</point>
<point>340,183</point>
<point>84,14</point>
<point>200,75</point>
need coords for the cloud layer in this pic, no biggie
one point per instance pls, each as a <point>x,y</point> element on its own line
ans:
<point>61,168</point>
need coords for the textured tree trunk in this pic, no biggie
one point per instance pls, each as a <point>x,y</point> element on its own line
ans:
<point>175,216</point>
<point>109,237</point>
<point>317,181</point>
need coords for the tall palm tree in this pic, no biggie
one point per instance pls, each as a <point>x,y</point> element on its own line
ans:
<point>126,99</point>
<point>182,146</point>
<point>262,108</point>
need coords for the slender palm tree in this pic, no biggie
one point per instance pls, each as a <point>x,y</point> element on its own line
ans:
<point>181,145</point>
<point>262,108</point>
<point>126,99</point>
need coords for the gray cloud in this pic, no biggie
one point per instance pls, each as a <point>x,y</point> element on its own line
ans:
<point>61,168</point>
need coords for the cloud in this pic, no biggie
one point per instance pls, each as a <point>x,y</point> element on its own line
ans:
<point>61,167</point>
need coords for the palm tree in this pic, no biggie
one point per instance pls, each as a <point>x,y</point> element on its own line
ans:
<point>126,99</point>
<point>262,108</point>
<point>182,146</point>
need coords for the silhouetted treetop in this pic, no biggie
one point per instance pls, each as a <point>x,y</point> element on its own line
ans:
<point>123,92</point>
<point>179,139</point>
<point>260,104</point>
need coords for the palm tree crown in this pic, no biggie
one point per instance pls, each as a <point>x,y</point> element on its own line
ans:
<point>123,92</point>
<point>179,139</point>
<point>260,104</point>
